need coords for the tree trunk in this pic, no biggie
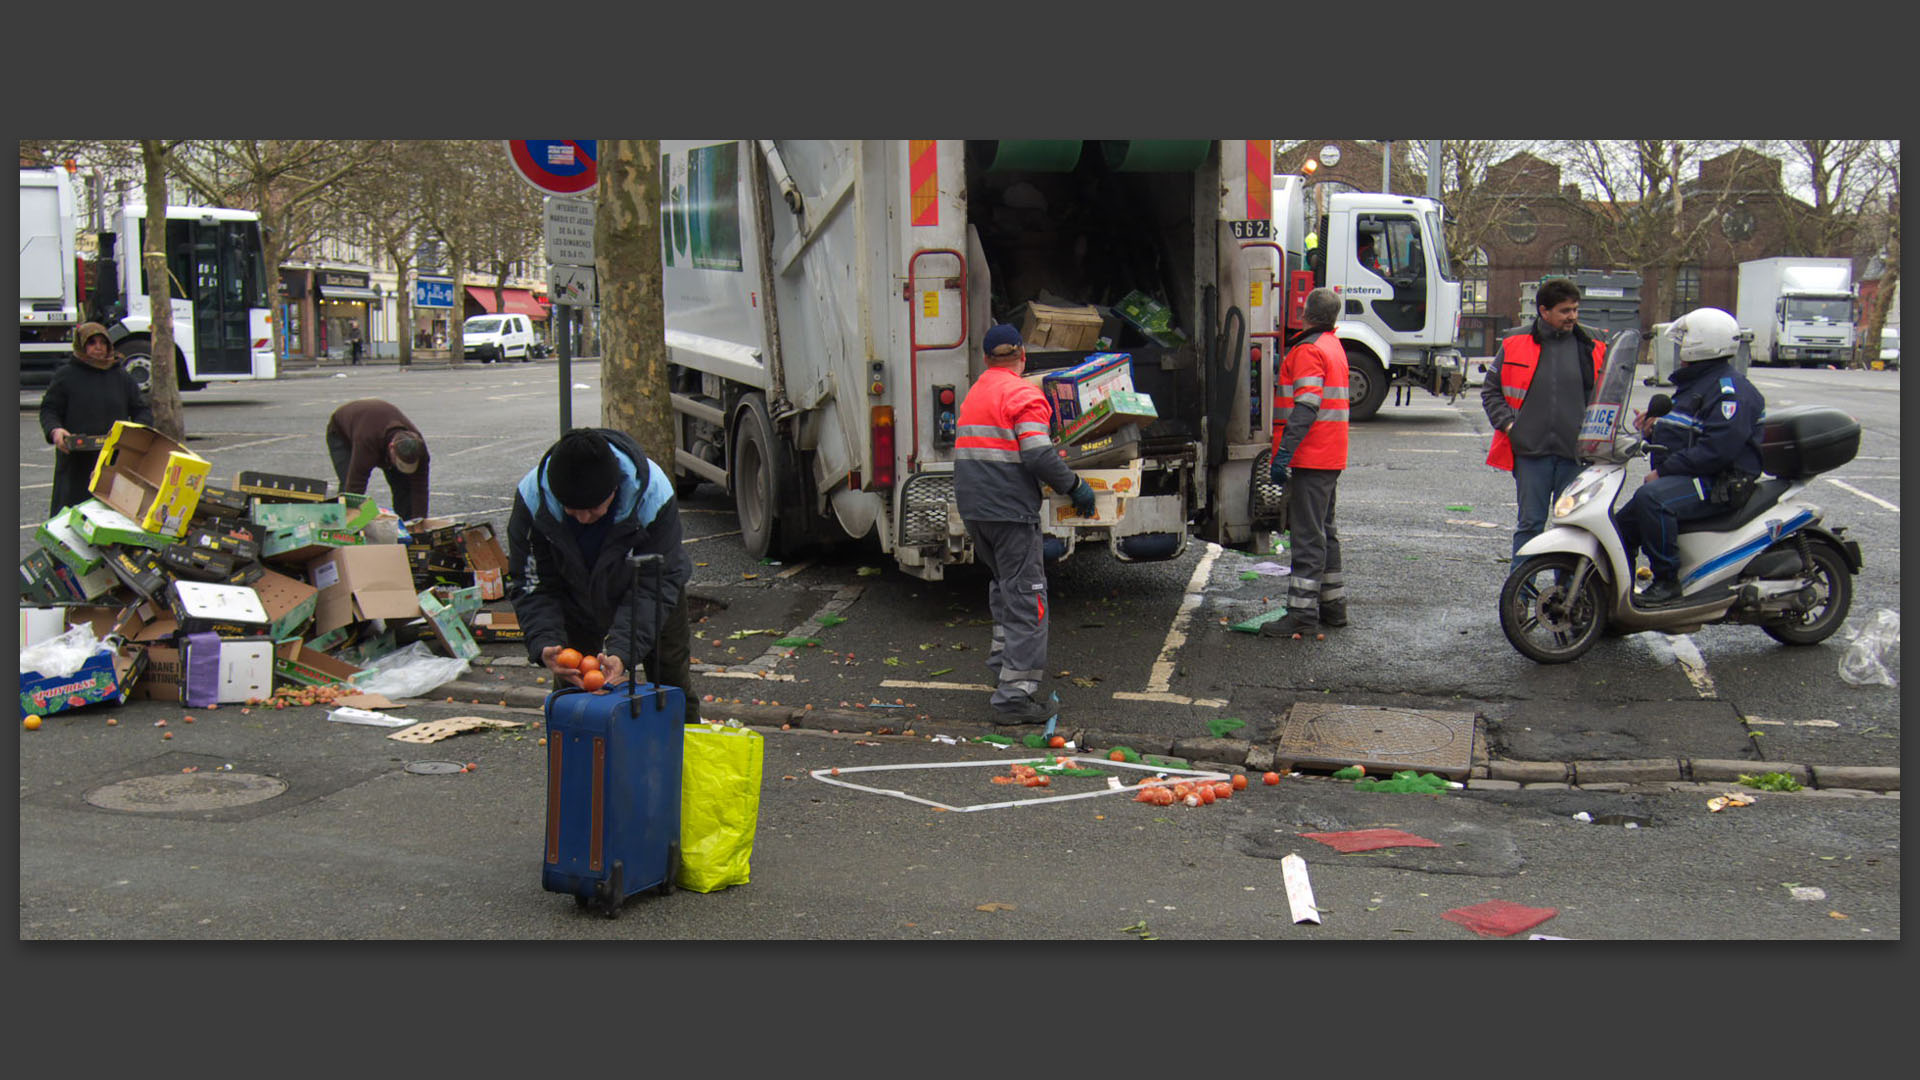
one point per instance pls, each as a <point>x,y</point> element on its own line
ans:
<point>633,343</point>
<point>164,391</point>
<point>404,317</point>
<point>456,343</point>
<point>1869,350</point>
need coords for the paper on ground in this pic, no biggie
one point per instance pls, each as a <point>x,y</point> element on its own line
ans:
<point>1293,869</point>
<point>367,716</point>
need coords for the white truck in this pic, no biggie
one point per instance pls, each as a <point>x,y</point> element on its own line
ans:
<point>222,321</point>
<point>825,300</point>
<point>1801,310</point>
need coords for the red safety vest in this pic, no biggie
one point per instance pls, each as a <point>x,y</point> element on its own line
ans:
<point>1520,355</point>
<point>1324,358</point>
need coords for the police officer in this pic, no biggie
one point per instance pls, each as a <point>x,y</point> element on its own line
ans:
<point>1705,452</point>
<point>1309,452</point>
<point>1001,450</point>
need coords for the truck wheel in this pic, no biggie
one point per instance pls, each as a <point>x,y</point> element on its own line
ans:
<point>138,361</point>
<point>758,464</point>
<point>1366,384</point>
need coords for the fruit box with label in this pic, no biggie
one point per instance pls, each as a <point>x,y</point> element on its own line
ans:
<point>225,672</point>
<point>108,675</point>
<point>368,581</point>
<point>1117,410</point>
<point>282,515</point>
<point>448,627</point>
<point>150,478</point>
<point>99,524</point>
<point>232,611</point>
<point>497,626</point>
<point>489,563</point>
<point>289,604</point>
<point>310,667</point>
<point>1111,490</point>
<point>60,537</point>
<point>1079,388</point>
<point>1057,326</point>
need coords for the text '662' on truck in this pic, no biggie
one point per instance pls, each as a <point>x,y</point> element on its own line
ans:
<point>825,303</point>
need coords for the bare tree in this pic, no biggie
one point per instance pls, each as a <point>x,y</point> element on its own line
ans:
<point>382,198</point>
<point>633,363</point>
<point>1885,160</point>
<point>1843,179</point>
<point>163,390</point>
<point>454,207</point>
<point>1479,206</point>
<point>290,183</point>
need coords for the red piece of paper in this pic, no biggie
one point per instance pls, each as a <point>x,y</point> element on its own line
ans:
<point>1499,918</point>
<point>1368,840</point>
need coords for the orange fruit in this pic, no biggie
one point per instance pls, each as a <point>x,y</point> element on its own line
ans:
<point>1222,790</point>
<point>1240,782</point>
<point>31,723</point>
<point>1270,779</point>
<point>1116,756</point>
<point>1165,797</point>
<point>568,657</point>
<point>1057,741</point>
<point>1206,794</point>
<point>589,663</point>
<point>593,680</point>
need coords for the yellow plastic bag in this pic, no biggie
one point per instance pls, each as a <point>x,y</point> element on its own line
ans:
<point>719,805</point>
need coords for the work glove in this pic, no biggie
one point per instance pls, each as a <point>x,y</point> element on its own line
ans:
<point>1279,474</point>
<point>1082,497</point>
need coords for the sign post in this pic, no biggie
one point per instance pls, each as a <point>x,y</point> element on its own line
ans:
<point>562,168</point>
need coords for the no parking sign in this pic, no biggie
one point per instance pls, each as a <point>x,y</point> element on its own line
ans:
<point>557,166</point>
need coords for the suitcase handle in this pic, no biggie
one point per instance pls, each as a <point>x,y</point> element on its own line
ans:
<point>659,566</point>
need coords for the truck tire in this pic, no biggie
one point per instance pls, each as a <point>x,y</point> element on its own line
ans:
<point>137,357</point>
<point>1367,384</point>
<point>758,465</point>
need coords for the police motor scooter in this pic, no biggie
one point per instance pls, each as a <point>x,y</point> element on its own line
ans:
<point>1767,560</point>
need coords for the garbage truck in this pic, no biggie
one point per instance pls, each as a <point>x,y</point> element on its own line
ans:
<point>825,301</point>
<point>1801,310</point>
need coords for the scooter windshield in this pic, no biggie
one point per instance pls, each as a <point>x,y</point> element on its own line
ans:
<point>1612,393</point>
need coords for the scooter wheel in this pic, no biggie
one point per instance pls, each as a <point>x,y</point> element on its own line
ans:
<point>1832,585</point>
<point>1542,615</point>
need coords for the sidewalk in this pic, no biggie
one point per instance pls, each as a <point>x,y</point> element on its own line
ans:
<point>294,367</point>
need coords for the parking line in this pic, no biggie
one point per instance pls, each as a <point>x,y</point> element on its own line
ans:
<point>1870,498</point>
<point>911,684</point>
<point>1161,677</point>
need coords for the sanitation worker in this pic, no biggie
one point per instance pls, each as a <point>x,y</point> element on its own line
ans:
<point>369,433</point>
<point>1309,452</point>
<point>1002,452</point>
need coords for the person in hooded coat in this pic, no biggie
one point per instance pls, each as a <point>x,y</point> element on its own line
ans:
<point>88,395</point>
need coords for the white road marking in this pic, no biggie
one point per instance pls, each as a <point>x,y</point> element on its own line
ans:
<point>1441,434</point>
<point>1679,648</point>
<point>1161,677</point>
<point>730,674</point>
<point>912,684</point>
<point>794,569</point>
<point>709,536</point>
<point>1170,699</point>
<point>494,446</point>
<point>1413,450</point>
<point>1843,485</point>
<point>245,445</point>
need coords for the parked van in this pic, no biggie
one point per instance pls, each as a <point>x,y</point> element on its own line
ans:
<point>498,337</point>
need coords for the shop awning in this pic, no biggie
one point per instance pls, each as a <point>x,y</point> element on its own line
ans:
<point>518,301</point>
<point>347,292</point>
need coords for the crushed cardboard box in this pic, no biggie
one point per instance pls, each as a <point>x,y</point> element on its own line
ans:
<point>431,731</point>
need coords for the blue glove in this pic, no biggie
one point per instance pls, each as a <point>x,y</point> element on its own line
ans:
<point>1082,497</point>
<point>1279,474</point>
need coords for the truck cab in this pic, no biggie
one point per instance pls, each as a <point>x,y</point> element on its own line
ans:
<point>1386,256</point>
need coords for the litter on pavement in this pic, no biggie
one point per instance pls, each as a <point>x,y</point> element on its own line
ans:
<point>1293,870</point>
<point>1499,918</point>
<point>1067,765</point>
<point>1369,840</point>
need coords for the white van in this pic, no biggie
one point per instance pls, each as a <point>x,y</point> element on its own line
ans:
<point>497,337</point>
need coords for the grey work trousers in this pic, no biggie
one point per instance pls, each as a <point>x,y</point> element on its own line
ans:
<point>1316,580</point>
<point>1017,600</point>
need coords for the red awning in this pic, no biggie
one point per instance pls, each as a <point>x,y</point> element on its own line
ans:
<point>519,301</point>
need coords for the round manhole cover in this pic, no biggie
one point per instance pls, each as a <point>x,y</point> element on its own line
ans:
<point>433,768</point>
<point>186,791</point>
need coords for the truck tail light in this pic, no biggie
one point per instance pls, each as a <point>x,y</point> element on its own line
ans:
<point>883,433</point>
<point>946,422</point>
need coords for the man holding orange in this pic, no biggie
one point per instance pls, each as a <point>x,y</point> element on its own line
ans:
<point>594,499</point>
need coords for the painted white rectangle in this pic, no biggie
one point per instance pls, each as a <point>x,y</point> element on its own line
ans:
<point>1293,869</point>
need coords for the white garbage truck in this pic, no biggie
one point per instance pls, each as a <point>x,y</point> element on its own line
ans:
<point>1801,310</point>
<point>825,301</point>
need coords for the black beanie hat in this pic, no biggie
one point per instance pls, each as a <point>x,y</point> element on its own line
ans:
<point>581,470</point>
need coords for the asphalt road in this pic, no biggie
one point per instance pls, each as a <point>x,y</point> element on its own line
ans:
<point>359,848</point>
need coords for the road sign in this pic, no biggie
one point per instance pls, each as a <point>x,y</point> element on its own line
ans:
<point>428,293</point>
<point>572,286</point>
<point>569,231</point>
<point>557,166</point>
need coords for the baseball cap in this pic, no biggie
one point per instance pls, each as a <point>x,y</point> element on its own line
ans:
<point>999,337</point>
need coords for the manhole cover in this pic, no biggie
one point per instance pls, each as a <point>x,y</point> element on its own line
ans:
<point>433,768</point>
<point>1340,735</point>
<point>186,791</point>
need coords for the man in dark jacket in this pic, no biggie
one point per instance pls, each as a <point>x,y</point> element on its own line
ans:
<point>1002,452</point>
<point>369,432</point>
<point>88,394</point>
<point>1705,452</point>
<point>1535,396</point>
<point>594,498</point>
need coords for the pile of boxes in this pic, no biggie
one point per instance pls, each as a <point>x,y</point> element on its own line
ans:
<point>207,594</point>
<point>1098,421</point>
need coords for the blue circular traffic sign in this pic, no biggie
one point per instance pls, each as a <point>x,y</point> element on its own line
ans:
<point>557,166</point>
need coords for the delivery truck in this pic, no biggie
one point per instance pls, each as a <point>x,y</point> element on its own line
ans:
<point>221,318</point>
<point>825,301</point>
<point>1801,310</point>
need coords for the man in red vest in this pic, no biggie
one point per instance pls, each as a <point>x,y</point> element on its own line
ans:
<point>1309,451</point>
<point>1002,451</point>
<point>1535,395</point>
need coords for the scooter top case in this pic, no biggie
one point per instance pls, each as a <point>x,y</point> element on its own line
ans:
<point>613,793</point>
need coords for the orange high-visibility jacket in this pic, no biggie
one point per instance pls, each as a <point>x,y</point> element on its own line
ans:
<point>1520,355</point>
<point>1314,373</point>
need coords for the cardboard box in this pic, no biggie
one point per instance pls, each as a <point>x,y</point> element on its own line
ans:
<point>108,675</point>
<point>231,611</point>
<point>149,477</point>
<point>243,668</point>
<point>1119,409</point>
<point>299,544</point>
<point>310,667</point>
<point>435,532</point>
<point>278,488</point>
<point>288,602</point>
<point>199,564</point>
<point>38,586</point>
<point>1112,488</point>
<point>164,679</point>
<point>464,602</point>
<point>281,515</point>
<point>361,511</point>
<point>1055,326</point>
<point>497,626</point>
<point>329,641</point>
<point>220,504</point>
<point>99,524</point>
<point>1150,317</point>
<point>60,537</point>
<point>138,569</point>
<point>455,639</point>
<point>1076,390</point>
<point>140,621</point>
<point>236,540</point>
<point>488,561</point>
<point>1103,451</point>
<point>370,649</point>
<point>369,581</point>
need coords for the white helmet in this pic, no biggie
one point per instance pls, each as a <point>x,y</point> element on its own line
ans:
<point>1706,334</point>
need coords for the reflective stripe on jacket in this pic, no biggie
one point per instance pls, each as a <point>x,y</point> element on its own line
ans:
<point>1314,375</point>
<point>1519,357</point>
<point>1003,445</point>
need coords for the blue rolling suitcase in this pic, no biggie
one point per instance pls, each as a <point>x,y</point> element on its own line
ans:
<point>613,790</point>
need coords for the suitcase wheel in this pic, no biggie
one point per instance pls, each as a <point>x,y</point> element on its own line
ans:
<point>608,893</point>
